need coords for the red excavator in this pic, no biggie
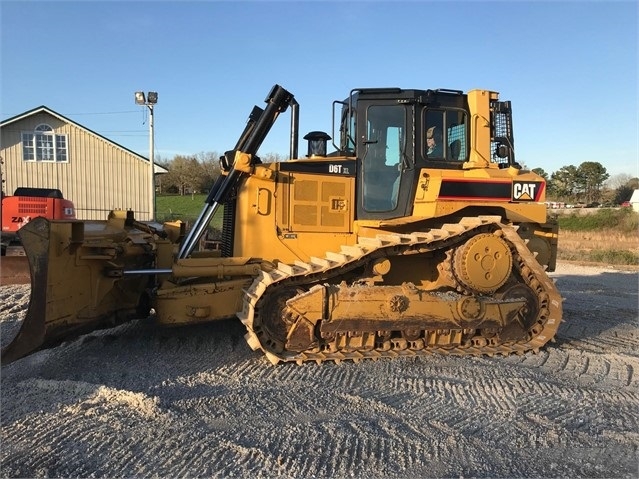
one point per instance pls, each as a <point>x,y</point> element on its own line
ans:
<point>17,210</point>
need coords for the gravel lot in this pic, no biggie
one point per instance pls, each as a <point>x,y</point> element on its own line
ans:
<point>141,401</point>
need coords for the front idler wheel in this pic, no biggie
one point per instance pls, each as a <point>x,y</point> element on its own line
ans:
<point>276,318</point>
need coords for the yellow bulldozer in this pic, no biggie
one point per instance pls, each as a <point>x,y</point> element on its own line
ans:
<point>420,233</point>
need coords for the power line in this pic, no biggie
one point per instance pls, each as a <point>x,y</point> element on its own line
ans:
<point>138,136</point>
<point>123,131</point>
<point>104,112</point>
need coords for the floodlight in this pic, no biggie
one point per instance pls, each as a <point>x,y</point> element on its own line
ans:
<point>139,98</point>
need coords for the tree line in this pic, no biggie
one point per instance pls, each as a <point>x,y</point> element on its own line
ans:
<point>188,174</point>
<point>587,183</point>
<point>192,174</point>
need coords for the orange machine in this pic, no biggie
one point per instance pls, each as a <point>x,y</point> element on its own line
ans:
<point>27,204</point>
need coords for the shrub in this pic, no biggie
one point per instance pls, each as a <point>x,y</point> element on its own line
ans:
<point>614,257</point>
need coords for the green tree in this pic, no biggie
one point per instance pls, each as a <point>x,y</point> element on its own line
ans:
<point>590,178</point>
<point>618,188</point>
<point>563,183</point>
<point>624,190</point>
<point>623,193</point>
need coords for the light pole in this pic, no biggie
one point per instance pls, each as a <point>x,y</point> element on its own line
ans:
<point>150,100</point>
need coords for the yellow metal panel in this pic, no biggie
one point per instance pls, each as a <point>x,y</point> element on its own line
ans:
<point>320,203</point>
<point>177,305</point>
<point>479,104</point>
<point>304,215</point>
<point>305,190</point>
<point>331,189</point>
<point>269,236</point>
<point>429,203</point>
<point>334,218</point>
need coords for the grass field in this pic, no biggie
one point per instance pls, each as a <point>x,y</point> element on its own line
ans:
<point>605,235</point>
<point>185,208</point>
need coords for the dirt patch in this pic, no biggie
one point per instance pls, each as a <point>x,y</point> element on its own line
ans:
<point>607,246</point>
<point>574,241</point>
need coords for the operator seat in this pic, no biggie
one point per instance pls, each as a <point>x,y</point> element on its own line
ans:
<point>455,149</point>
<point>380,192</point>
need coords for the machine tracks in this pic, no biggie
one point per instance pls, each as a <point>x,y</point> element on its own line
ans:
<point>333,269</point>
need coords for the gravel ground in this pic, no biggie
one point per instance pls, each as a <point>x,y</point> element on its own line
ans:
<point>146,402</point>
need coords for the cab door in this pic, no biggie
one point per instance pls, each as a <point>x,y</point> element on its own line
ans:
<point>386,170</point>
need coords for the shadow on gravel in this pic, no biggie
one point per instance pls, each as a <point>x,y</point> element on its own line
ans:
<point>138,352</point>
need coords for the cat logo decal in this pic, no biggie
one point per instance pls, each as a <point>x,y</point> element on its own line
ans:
<point>527,190</point>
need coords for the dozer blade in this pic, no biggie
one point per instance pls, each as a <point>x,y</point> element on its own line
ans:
<point>75,287</point>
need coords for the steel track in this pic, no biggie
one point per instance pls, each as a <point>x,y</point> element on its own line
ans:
<point>335,265</point>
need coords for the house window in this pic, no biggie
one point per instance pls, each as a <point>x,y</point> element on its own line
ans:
<point>44,145</point>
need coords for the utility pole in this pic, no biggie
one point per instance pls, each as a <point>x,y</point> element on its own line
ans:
<point>149,101</point>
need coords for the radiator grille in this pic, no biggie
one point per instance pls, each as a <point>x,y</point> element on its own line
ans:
<point>228,227</point>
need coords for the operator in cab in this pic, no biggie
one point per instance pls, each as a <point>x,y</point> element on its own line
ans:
<point>434,143</point>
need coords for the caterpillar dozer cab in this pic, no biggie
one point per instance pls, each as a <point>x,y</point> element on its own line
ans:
<point>385,247</point>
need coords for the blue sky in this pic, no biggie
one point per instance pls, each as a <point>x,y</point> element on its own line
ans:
<point>570,68</point>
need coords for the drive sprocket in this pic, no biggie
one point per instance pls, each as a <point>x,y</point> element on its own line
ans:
<point>483,263</point>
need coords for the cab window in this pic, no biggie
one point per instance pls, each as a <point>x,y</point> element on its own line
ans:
<point>445,135</point>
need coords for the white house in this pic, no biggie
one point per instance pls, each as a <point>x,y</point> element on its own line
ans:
<point>634,200</point>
